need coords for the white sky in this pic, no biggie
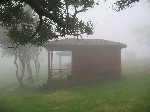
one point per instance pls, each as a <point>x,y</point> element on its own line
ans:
<point>119,26</point>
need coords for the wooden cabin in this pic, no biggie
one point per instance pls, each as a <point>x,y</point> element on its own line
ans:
<point>91,58</point>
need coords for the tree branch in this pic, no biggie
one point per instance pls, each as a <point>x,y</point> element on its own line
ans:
<point>37,30</point>
<point>35,4</point>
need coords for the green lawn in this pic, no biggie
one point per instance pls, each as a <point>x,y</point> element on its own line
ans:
<point>131,93</point>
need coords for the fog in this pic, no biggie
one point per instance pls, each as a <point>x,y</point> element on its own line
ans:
<point>108,25</point>
<point>121,26</point>
<point>98,83</point>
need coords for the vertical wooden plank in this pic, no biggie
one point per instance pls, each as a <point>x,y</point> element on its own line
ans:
<point>51,63</point>
<point>49,70</point>
<point>59,61</point>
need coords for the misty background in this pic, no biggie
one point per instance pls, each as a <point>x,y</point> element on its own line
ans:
<point>123,26</point>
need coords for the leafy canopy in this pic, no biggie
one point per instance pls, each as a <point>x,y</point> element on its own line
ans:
<point>55,18</point>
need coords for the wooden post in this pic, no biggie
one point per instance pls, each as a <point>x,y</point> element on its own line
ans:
<point>60,61</point>
<point>49,70</point>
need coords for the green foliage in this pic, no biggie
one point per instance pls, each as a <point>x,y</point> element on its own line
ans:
<point>45,33</point>
<point>59,16</point>
<point>10,12</point>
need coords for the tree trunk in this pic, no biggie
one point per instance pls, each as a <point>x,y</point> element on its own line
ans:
<point>37,63</point>
<point>22,61</point>
<point>17,71</point>
<point>27,59</point>
<point>37,67</point>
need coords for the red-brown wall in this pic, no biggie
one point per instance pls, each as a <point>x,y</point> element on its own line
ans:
<point>94,63</point>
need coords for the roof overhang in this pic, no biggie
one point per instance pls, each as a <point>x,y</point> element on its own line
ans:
<point>74,44</point>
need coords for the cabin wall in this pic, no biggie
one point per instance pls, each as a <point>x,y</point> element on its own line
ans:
<point>96,63</point>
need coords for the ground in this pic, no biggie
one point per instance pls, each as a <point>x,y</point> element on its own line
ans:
<point>130,93</point>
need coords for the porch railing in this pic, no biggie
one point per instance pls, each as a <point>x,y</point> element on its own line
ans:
<point>61,73</point>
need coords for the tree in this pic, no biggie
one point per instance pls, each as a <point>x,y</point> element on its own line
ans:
<point>123,4</point>
<point>23,54</point>
<point>60,14</point>
<point>55,13</point>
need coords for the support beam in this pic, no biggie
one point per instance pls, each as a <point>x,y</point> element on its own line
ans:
<point>49,70</point>
<point>59,61</point>
<point>51,63</point>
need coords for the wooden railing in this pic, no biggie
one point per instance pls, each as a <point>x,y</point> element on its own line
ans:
<point>61,73</point>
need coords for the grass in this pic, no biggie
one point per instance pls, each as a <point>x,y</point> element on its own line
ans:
<point>131,93</point>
